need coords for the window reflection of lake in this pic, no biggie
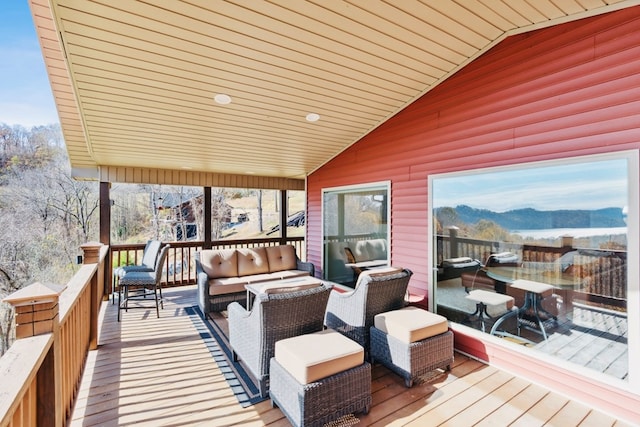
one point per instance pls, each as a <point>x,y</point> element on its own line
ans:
<point>553,233</point>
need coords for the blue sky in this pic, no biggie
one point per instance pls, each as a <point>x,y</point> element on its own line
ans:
<point>25,93</point>
<point>586,185</point>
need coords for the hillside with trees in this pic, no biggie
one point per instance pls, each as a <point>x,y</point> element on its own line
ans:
<point>44,214</point>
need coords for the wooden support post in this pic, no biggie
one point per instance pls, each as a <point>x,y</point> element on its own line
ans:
<point>207,218</point>
<point>36,314</point>
<point>92,256</point>
<point>284,211</point>
<point>105,238</point>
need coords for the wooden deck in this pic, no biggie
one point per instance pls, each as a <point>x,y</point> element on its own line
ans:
<point>587,336</point>
<point>158,372</point>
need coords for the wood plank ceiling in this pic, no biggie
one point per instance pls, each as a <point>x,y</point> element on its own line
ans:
<point>134,81</point>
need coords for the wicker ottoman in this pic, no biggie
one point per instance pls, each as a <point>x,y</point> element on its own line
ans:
<point>411,342</point>
<point>320,377</point>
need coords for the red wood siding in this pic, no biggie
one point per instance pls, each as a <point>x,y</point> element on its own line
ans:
<point>568,90</point>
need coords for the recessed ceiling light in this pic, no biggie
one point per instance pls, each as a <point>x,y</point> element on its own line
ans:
<point>222,99</point>
<point>313,117</point>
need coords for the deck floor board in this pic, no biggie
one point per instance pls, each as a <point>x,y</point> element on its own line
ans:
<point>158,372</point>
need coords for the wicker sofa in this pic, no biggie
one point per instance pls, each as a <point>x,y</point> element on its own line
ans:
<point>223,273</point>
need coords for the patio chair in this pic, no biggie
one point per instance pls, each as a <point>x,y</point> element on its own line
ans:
<point>275,315</point>
<point>377,291</point>
<point>137,285</point>
<point>149,256</point>
<point>351,259</point>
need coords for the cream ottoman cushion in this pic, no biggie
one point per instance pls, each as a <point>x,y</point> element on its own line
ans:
<point>311,357</point>
<point>411,324</point>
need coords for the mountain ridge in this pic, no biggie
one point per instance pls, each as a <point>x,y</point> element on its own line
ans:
<point>533,219</point>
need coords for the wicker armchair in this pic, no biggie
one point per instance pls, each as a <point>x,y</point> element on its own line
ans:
<point>376,291</point>
<point>274,316</point>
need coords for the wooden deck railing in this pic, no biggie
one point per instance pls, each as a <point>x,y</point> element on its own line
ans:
<point>180,267</point>
<point>602,272</point>
<point>40,373</point>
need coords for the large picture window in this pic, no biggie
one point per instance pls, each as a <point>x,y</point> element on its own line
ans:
<point>543,256</point>
<point>355,230</point>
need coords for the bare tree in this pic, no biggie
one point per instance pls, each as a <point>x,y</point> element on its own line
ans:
<point>44,214</point>
<point>220,212</point>
<point>260,226</point>
<point>130,214</point>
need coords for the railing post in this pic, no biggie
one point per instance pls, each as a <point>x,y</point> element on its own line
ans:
<point>36,314</point>
<point>567,243</point>
<point>92,256</point>
<point>453,241</point>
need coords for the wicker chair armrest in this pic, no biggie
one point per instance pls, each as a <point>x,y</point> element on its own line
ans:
<point>305,266</point>
<point>344,308</point>
<point>244,335</point>
<point>203,288</point>
<point>238,314</point>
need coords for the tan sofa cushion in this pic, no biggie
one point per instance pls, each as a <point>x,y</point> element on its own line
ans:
<point>288,274</point>
<point>230,285</point>
<point>264,277</point>
<point>219,262</point>
<point>229,270</point>
<point>252,261</point>
<point>311,357</point>
<point>368,250</point>
<point>281,257</point>
<point>377,249</point>
<point>278,275</point>
<point>411,324</point>
<point>227,285</point>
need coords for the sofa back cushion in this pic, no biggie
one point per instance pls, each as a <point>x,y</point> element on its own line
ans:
<point>282,257</point>
<point>219,262</point>
<point>369,250</point>
<point>335,251</point>
<point>252,261</point>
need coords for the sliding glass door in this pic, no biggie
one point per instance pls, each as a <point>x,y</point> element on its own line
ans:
<point>355,222</point>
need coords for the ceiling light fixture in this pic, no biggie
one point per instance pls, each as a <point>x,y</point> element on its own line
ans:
<point>222,99</point>
<point>313,117</point>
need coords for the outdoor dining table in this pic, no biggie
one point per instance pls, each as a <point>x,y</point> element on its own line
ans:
<point>535,282</point>
<point>563,283</point>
